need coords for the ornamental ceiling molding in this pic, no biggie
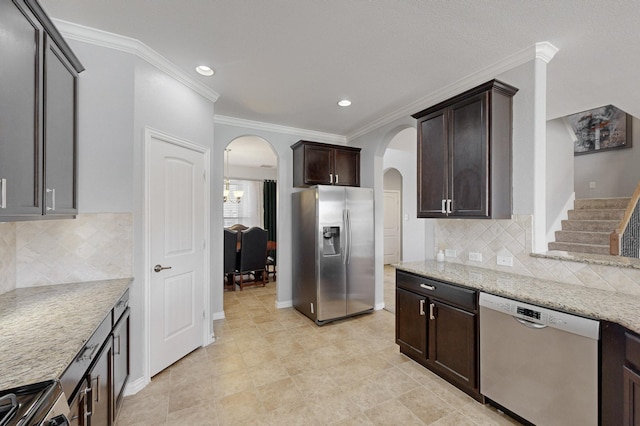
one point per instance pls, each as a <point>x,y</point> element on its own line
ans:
<point>542,50</point>
<point>133,46</point>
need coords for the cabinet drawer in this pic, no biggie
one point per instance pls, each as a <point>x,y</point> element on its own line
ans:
<point>121,306</point>
<point>632,350</point>
<point>462,297</point>
<point>76,371</point>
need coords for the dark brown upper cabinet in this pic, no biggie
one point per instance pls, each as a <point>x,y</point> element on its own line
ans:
<point>317,163</point>
<point>38,98</point>
<point>464,154</point>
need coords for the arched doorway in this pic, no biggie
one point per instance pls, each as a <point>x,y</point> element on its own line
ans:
<point>249,195</point>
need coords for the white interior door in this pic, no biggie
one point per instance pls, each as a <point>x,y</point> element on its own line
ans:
<point>176,216</point>
<point>391,226</point>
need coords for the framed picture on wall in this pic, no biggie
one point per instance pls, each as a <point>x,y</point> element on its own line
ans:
<point>600,129</point>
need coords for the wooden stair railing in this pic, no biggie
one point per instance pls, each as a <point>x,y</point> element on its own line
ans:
<point>615,240</point>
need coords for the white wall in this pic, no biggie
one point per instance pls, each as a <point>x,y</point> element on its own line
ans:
<point>560,174</point>
<point>120,94</point>
<point>105,129</point>
<point>615,173</point>
<point>414,242</point>
<point>252,173</point>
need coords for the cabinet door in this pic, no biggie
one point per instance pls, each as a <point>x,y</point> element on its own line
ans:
<point>468,140</point>
<point>452,346</point>
<point>432,165</point>
<point>100,384</point>
<point>411,323</point>
<point>120,360</point>
<point>347,167</point>
<point>318,165</point>
<point>78,406</point>
<point>631,404</point>
<point>20,93</point>
<point>60,83</point>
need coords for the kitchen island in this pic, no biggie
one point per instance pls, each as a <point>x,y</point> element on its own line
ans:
<point>42,329</point>
<point>598,304</point>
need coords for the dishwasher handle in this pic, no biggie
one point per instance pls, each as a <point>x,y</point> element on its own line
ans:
<point>530,324</point>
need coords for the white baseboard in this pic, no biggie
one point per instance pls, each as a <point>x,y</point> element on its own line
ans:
<point>378,306</point>
<point>217,316</point>
<point>285,304</point>
<point>135,386</point>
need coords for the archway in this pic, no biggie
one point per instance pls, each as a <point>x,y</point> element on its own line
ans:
<point>249,194</point>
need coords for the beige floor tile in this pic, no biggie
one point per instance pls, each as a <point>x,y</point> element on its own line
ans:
<point>425,405</point>
<point>276,367</point>
<point>280,393</point>
<point>392,413</point>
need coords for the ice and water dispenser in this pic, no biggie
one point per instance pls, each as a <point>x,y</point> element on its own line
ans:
<point>330,240</point>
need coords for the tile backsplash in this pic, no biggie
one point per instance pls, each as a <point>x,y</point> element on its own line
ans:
<point>512,238</point>
<point>88,248</point>
<point>7,257</point>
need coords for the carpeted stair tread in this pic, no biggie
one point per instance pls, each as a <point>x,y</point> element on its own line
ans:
<point>579,248</point>
<point>583,237</point>
<point>590,225</point>
<point>601,203</point>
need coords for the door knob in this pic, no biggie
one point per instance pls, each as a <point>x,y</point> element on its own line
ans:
<point>159,268</point>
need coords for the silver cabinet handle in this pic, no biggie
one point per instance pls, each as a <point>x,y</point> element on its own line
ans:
<point>337,178</point>
<point>422,307</point>
<point>428,287</point>
<point>119,346</point>
<point>3,202</point>
<point>449,206</point>
<point>159,268</point>
<point>53,199</point>
<point>431,307</point>
<point>444,208</point>
<point>330,177</point>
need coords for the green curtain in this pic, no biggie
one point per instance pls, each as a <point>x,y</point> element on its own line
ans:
<point>270,209</point>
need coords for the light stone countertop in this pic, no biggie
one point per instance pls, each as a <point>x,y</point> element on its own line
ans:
<point>620,308</point>
<point>43,328</point>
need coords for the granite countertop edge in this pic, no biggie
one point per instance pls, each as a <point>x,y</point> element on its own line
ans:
<point>42,329</point>
<point>617,307</point>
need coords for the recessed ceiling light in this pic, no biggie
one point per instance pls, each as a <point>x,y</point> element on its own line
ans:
<point>204,70</point>
<point>344,103</point>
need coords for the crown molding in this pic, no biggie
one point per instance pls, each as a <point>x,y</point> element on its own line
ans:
<point>133,46</point>
<point>539,50</point>
<point>545,51</point>
<point>276,128</point>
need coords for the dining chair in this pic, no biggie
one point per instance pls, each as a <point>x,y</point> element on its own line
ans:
<point>252,256</point>
<point>230,258</point>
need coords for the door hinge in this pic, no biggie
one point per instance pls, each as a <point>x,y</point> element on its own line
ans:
<point>203,315</point>
<point>204,245</point>
<point>204,175</point>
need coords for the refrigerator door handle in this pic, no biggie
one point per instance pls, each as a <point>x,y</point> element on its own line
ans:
<point>349,236</point>
<point>345,248</point>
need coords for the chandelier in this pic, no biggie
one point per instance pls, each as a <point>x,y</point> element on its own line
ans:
<point>228,196</point>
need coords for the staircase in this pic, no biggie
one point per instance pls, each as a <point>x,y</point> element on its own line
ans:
<point>589,226</point>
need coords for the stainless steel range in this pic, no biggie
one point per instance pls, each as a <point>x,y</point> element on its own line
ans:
<point>39,404</point>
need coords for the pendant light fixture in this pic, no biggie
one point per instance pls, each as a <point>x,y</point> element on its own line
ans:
<point>238,193</point>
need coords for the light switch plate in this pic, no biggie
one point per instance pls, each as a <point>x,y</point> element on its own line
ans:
<point>450,252</point>
<point>475,256</point>
<point>505,260</point>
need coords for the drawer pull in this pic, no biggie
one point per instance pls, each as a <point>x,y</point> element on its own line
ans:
<point>422,307</point>
<point>428,287</point>
<point>91,349</point>
<point>431,315</point>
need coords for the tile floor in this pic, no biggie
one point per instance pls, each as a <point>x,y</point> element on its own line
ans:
<point>273,366</point>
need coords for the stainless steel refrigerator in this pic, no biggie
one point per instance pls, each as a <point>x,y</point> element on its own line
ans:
<point>333,252</point>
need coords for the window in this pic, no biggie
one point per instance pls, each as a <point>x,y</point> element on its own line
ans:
<point>249,211</point>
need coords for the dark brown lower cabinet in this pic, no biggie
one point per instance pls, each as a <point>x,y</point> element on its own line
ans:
<point>77,406</point>
<point>120,361</point>
<point>99,398</point>
<point>437,326</point>
<point>411,324</point>
<point>631,397</point>
<point>453,346</point>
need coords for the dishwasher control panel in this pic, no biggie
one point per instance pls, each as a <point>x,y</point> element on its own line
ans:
<point>539,315</point>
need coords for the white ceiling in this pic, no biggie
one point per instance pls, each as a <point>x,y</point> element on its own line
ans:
<point>288,62</point>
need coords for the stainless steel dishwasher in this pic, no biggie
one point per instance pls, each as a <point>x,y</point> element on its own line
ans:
<point>539,363</point>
